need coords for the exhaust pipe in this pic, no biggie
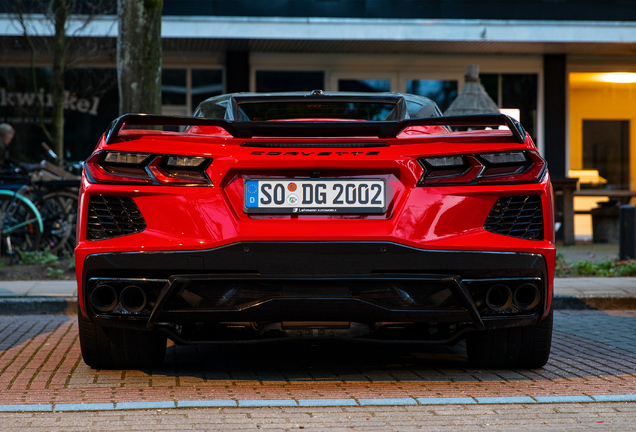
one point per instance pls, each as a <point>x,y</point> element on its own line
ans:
<point>527,296</point>
<point>104,298</point>
<point>133,299</point>
<point>498,297</point>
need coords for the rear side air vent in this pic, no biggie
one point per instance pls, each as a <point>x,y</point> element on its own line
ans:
<point>113,216</point>
<point>517,216</point>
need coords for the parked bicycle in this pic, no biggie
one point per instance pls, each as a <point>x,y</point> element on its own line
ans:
<point>53,192</point>
<point>21,223</point>
<point>58,207</point>
<point>56,201</point>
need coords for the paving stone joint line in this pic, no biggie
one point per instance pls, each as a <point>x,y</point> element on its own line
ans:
<point>278,403</point>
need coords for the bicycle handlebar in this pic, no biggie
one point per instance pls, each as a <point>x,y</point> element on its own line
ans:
<point>47,149</point>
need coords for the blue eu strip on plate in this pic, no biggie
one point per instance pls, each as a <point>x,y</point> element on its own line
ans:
<point>251,194</point>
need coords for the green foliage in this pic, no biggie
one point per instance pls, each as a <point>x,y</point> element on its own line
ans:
<point>45,258</point>
<point>586,268</point>
<point>625,268</point>
<point>561,265</point>
<point>71,258</point>
<point>53,272</point>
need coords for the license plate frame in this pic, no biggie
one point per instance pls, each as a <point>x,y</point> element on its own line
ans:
<point>355,197</point>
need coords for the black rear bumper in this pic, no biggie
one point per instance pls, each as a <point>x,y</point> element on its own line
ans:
<point>316,259</point>
<point>367,282</point>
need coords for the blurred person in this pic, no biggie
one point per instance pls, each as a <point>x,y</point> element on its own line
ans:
<point>6,136</point>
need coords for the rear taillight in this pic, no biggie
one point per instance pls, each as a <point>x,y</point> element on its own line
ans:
<point>179,169</point>
<point>529,170</point>
<point>482,168</point>
<point>449,169</point>
<point>147,168</point>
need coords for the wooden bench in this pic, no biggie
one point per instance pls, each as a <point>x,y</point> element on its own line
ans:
<point>567,187</point>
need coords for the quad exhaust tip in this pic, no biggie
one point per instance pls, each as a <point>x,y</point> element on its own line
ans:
<point>133,299</point>
<point>527,296</point>
<point>104,298</point>
<point>499,297</point>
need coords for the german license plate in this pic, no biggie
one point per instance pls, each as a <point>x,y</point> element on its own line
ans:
<point>319,196</point>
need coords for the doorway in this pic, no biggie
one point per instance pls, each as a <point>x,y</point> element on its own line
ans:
<point>606,149</point>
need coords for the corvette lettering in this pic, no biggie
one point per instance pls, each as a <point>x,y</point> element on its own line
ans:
<point>263,153</point>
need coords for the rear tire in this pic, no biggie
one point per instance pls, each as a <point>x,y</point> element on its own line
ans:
<point>118,348</point>
<point>525,347</point>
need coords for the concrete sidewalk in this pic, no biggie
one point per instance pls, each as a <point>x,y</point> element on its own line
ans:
<point>45,288</point>
<point>604,293</point>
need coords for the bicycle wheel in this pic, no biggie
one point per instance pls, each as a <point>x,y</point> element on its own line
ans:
<point>20,229</point>
<point>59,213</point>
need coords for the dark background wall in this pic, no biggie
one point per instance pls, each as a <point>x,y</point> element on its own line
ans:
<point>555,101</point>
<point>592,10</point>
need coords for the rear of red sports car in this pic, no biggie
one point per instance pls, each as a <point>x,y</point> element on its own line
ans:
<point>321,216</point>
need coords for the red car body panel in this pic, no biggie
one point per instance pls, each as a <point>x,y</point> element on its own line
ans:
<point>204,217</point>
<point>351,215</point>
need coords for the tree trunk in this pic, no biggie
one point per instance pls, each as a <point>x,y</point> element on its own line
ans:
<point>139,56</point>
<point>57,84</point>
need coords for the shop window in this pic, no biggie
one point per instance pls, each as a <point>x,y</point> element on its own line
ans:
<point>515,91</point>
<point>601,112</point>
<point>91,103</point>
<point>205,84</point>
<point>601,115</point>
<point>443,93</point>
<point>606,149</point>
<point>83,127</point>
<point>173,87</point>
<point>283,81</point>
<point>364,85</point>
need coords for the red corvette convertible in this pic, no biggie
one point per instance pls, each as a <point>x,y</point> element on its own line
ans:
<point>317,216</point>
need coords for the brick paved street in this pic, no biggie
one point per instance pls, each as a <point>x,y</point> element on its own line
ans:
<point>594,354</point>
<point>550,417</point>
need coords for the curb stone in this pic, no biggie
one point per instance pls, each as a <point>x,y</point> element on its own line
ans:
<point>563,302</point>
<point>38,305</point>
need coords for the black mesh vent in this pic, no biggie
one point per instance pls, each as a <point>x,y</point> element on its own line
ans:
<point>112,216</point>
<point>517,216</point>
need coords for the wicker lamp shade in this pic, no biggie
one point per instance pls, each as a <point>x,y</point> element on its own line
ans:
<point>472,99</point>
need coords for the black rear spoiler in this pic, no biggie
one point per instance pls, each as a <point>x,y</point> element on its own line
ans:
<point>306,129</point>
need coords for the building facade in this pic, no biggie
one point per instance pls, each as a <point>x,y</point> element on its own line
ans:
<point>568,66</point>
